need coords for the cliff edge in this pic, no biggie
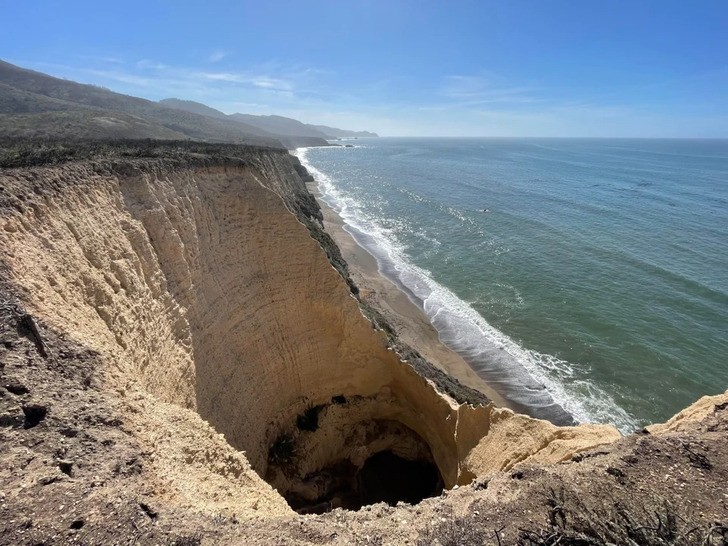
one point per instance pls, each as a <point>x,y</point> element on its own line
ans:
<point>184,359</point>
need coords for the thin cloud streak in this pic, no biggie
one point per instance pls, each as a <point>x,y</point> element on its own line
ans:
<point>156,80</point>
<point>217,56</point>
<point>478,88</point>
<point>458,106</point>
<point>146,64</point>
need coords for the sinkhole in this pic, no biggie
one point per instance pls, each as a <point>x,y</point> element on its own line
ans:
<point>352,464</point>
<point>385,477</point>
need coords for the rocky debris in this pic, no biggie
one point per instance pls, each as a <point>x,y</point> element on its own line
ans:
<point>65,466</point>
<point>150,512</point>
<point>34,414</point>
<point>28,327</point>
<point>14,386</point>
<point>59,481</point>
<point>301,170</point>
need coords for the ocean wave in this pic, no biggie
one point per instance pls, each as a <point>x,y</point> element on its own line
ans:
<point>539,384</point>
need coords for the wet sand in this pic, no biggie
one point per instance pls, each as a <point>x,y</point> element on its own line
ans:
<point>408,320</point>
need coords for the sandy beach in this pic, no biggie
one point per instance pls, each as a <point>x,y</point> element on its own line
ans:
<point>409,321</point>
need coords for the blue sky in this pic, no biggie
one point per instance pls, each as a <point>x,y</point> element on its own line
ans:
<point>483,68</point>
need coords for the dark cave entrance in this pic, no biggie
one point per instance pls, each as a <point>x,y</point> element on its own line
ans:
<point>385,477</point>
<point>389,478</point>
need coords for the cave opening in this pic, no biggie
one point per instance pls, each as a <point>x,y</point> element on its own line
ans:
<point>384,477</point>
<point>387,477</point>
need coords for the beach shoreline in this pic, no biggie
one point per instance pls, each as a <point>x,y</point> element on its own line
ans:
<point>409,321</point>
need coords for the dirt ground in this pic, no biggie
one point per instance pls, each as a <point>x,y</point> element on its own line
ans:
<point>72,473</point>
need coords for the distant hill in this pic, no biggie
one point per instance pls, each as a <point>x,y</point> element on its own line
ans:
<point>333,132</point>
<point>279,125</point>
<point>93,124</point>
<point>33,104</point>
<point>289,126</point>
<point>194,107</point>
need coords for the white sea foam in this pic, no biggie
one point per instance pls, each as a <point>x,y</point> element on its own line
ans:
<point>526,377</point>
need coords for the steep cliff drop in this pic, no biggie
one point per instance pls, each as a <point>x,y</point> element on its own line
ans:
<point>196,318</point>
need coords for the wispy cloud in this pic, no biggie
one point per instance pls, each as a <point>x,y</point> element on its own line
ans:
<point>457,105</point>
<point>217,56</point>
<point>465,87</point>
<point>259,81</point>
<point>272,83</point>
<point>221,77</point>
<point>475,90</point>
<point>120,76</point>
<point>146,64</point>
<point>272,86</point>
<point>104,59</point>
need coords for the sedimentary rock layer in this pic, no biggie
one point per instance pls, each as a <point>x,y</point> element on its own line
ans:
<point>203,286</point>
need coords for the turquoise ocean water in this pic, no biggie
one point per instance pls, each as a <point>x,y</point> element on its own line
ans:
<point>579,277</point>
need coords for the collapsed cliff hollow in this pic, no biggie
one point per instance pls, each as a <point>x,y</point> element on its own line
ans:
<point>202,279</point>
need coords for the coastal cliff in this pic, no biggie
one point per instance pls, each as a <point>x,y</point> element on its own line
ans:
<point>182,345</point>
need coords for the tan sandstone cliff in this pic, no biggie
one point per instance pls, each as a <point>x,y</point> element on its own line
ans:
<point>216,321</point>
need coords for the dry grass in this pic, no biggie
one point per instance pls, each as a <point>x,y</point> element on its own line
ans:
<point>573,523</point>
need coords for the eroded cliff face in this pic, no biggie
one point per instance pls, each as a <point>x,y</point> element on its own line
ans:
<point>199,284</point>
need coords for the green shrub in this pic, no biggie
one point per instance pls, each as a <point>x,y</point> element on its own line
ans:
<point>308,420</point>
<point>282,450</point>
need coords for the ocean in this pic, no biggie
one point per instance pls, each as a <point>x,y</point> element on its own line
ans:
<point>583,278</point>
